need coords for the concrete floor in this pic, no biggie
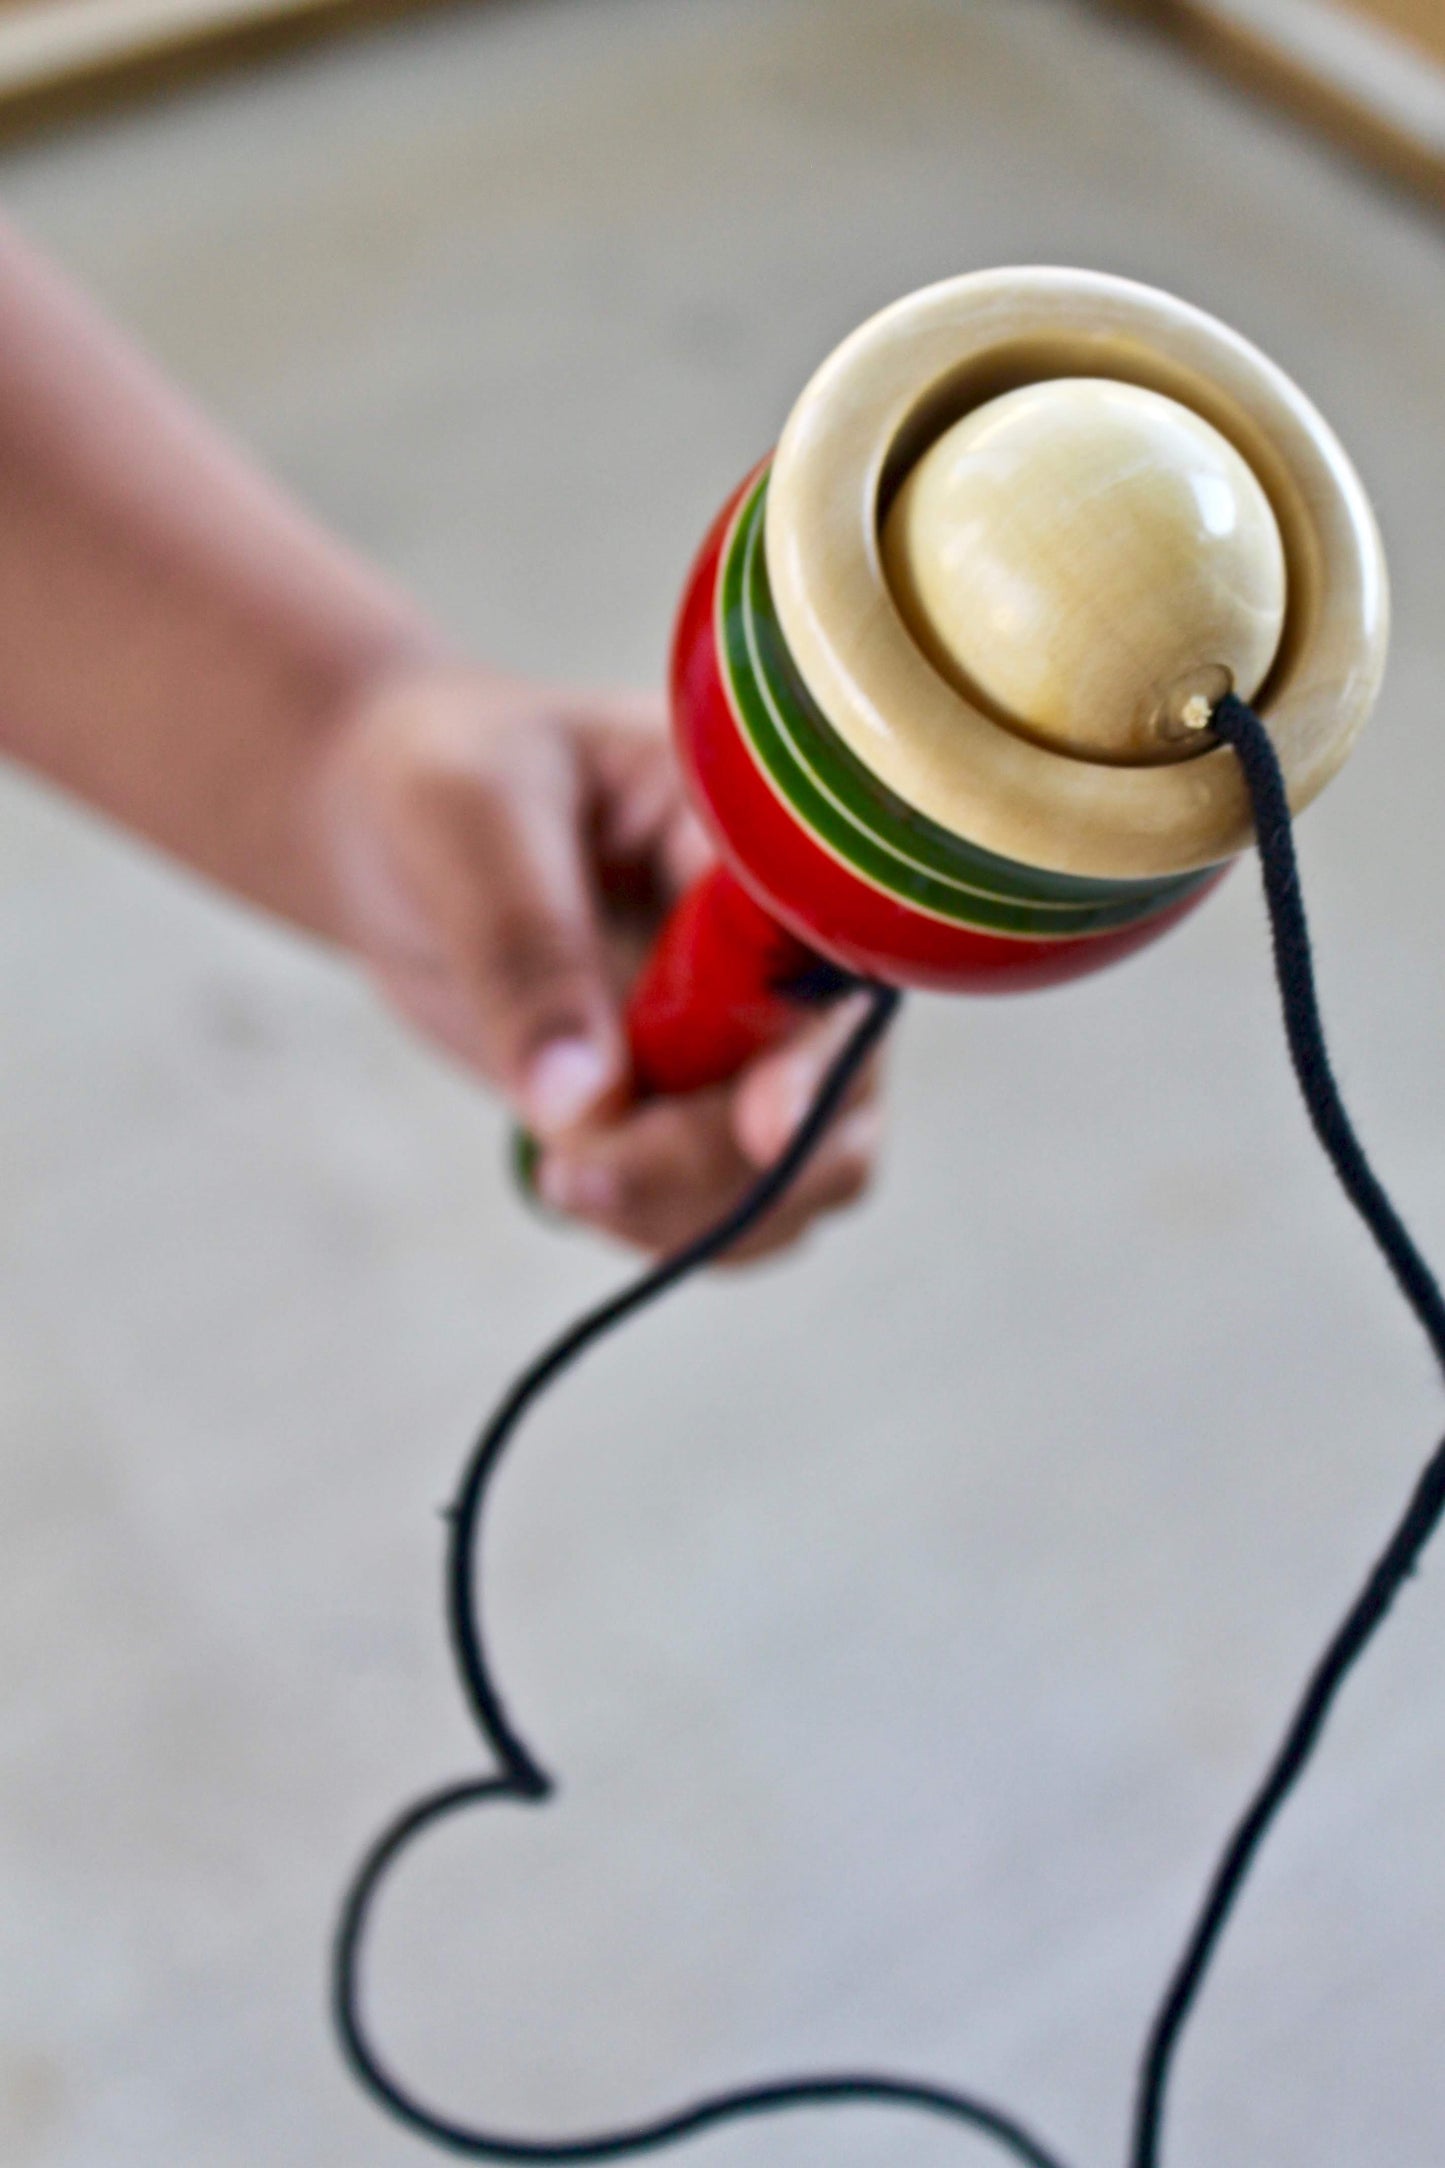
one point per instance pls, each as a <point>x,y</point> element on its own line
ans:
<point>907,1622</point>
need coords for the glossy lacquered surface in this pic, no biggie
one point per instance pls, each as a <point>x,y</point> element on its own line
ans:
<point>848,915</point>
<point>871,412</point>
<point>723,982</point>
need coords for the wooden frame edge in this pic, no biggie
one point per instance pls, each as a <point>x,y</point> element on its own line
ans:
<point>140,49</point>
<point>1254,60</point>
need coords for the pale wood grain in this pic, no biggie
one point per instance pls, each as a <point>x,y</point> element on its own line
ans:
<point>1094,563</point>
<point>868,416</point>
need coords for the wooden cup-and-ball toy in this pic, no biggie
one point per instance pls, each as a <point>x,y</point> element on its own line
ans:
<point>949,687</point>
<point>944,670</point>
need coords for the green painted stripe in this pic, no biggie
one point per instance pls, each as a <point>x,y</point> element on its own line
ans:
<point>871,805</point>
<point>886,842</point>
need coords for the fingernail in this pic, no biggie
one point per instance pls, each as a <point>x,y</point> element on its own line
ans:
<point>575,1185</point>
<point>567,1078</point>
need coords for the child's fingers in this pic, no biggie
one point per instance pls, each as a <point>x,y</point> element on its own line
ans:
<point>528,942</point>
<point>665,1171</point>
<point>776,1090</point>
<point>846,1165</point>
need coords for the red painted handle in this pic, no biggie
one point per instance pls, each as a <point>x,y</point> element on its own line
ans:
<point>713,993</point>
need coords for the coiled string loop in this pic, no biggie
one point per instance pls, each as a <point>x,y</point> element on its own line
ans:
<point>518,1776</point>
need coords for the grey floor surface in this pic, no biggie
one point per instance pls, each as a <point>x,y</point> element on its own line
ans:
<point>907,1622</point>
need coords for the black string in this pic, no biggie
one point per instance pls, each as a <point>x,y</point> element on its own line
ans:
<point>1240,727</point>
<point>519,1776</point>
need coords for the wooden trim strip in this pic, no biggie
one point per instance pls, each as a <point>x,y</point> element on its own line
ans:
<point>1376,88</point>
<point>60,58</point>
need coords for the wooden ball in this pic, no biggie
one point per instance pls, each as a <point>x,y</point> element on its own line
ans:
<point>1094,564</point>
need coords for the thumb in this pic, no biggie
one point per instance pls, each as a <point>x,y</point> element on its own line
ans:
<point>534,956</point>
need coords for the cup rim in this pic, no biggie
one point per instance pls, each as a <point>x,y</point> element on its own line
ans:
<point>870,411</point>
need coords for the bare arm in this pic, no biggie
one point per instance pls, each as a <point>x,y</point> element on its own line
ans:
<point>178,639</point>
<point>187,652</point>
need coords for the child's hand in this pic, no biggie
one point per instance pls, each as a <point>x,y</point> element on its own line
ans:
<point>502,853</point>
<point>187,653</point>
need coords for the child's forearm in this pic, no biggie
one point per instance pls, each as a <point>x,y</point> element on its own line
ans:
<point>179,641</point>
<point>183,649</point>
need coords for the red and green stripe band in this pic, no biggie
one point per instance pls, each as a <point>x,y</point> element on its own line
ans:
<point>856,819</point>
